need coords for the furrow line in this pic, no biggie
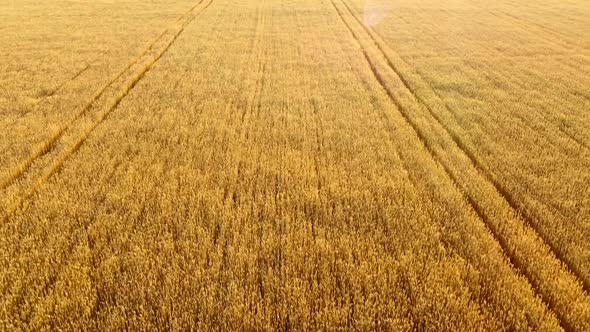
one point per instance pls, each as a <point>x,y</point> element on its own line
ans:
<point>562,43</point>
<point>574,140</point>
<point>519,83</point>
<point>51,93</point>
<point>523,24</point>
<point>59,87</point>
<point>125,87</point>
<point>544,29</point>
<point>316,158</point>
<point>323,195</point>
<point>520,242</point>
<point>508,197</point>
<point>48,145</point>
<point>253,103</point>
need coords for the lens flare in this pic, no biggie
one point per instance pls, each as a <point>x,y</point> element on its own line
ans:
<point>374,12</point>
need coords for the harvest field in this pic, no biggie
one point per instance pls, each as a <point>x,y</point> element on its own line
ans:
<point>295,165</point>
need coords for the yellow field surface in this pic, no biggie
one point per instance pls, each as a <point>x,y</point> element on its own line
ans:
<point>389,165</point>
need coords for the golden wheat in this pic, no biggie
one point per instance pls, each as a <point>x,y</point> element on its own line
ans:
<point>305,165</point>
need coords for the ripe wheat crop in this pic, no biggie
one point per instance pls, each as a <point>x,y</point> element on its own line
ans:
<point>295,165</point>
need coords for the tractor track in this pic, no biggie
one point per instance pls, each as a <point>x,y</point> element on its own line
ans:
<point>61,146</point>
<point>508,197</point>
<point>478,165</point>
<point>53,278</point>
<point>512,246</point>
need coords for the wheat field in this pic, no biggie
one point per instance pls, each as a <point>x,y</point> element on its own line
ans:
<point>253,165</point>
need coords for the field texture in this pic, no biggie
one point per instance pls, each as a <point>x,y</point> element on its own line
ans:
<point>295,165</point>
